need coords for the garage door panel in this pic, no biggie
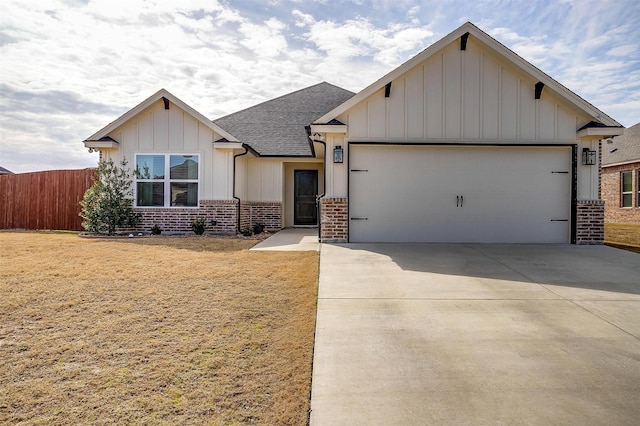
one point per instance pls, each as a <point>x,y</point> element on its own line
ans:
<point>447,194</point>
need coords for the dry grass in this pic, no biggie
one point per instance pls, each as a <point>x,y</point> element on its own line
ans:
<point>152,331</point>
<point>625,236</point>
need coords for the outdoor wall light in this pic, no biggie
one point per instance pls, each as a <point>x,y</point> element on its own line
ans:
<point>337,154</point>
<point>588,157</point>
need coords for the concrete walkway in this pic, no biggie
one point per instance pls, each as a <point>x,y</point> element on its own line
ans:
<point>444,334</point>
<point>291,239</point>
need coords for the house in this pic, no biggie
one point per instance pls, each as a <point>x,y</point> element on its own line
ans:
<point>620,178</point>
<point>4,171</point>
<point>465,142</point>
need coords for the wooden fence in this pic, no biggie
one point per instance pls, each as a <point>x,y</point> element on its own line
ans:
<point>43,200</point>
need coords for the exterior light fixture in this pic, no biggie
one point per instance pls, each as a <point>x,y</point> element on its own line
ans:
<point>337,154</point>
<point>588,157</point>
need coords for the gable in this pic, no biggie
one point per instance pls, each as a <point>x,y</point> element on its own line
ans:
<point>484,91</point>
<point>622,149</point>
<point>162,99</point>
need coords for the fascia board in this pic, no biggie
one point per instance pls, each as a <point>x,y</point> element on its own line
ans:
<point>600,131</point>
<point>228,145</point>
<point>101,144</point>
<point>328,128</point>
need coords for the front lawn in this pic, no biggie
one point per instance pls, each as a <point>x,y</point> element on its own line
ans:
<point>153,330</point>
<point>625,236</point>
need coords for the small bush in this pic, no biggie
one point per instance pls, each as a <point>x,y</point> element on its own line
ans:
<point>247,231</point>
<point>258,228</point>
<point>155,230</point>
<point>198,225</point>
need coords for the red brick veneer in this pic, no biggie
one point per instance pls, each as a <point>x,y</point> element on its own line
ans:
<point>610,181</point>
<point>267,213</point>
<point>224,212</point>
<point>590,222</point>
<point>334,220</point>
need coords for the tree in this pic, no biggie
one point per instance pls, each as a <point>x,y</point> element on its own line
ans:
<point>107,205</point>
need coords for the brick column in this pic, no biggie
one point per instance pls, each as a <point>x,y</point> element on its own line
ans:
<point>334,220</point>
<point>590,222</point>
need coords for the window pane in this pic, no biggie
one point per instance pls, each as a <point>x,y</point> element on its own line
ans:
<point>626,200</point>
<point>626,182</point>
<point>184,194</point>
<point>150,194</point>
<point>184,167</point>
<point>150,166</point>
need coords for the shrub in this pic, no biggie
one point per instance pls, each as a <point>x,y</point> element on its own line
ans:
<point>108,204</point>
<point>258,228</point>
<point>198,225</point>
<point>247,231</point>
<point>156,230</point>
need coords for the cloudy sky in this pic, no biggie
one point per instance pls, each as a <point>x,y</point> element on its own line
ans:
<point>70,67</point>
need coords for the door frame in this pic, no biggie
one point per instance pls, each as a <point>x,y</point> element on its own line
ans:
<point>295,202</point>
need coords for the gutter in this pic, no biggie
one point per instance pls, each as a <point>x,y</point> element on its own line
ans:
<point>235,197</point>
<point>324,180</point>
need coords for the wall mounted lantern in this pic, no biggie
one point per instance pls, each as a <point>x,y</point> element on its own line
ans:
<point>588,157</point>
<point>337,154</point>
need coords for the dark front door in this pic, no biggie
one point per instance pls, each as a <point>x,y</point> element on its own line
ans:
<point>305,189</point>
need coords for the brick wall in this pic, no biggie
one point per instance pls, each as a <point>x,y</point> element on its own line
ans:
<point>611,187</point>
<point>334,220</point>
<point>179,219</point>
<point>267,213</point>
<point>590,222</point>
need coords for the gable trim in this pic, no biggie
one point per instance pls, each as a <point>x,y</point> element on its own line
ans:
<point>166,98</point>
<point>499,48</point>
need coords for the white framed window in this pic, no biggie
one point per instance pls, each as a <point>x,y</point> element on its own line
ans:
<point>626,189</point>
<point>167,180</point>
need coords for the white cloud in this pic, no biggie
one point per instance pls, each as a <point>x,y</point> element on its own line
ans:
<point>102,57</point>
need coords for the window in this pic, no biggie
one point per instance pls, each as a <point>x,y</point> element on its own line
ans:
<point>167,180</point>
<point>626,180</point>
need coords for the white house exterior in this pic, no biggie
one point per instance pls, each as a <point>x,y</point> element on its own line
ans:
<point>465,142</point>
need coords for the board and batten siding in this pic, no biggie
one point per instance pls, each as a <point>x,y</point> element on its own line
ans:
<point>157,130</point>
<point>464,96</point>
<point>471,96</point>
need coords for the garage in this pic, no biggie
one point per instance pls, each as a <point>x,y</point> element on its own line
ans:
<point>435,193</point>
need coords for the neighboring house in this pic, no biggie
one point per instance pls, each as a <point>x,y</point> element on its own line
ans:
<point>620,177</point>
<point>465,142</point>
<point>4,171</point>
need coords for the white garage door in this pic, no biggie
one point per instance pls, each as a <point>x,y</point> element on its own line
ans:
<point>459,194</point>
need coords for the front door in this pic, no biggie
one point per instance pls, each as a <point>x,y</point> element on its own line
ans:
<point>305,190</point>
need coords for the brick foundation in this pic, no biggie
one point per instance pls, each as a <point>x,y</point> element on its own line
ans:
<point>334,220</point>
<point>179,219</point>
<point>611,187</point>
<point>590,222</point>
<point>267,213</point>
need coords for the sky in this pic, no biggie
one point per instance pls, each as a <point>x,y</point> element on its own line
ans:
<point>70,67</point>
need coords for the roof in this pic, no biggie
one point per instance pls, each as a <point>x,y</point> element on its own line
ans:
<point>4,171</point>
<point>622,149</point>
<point>505,52</point>
<point>277,127</point>
<point>160,94</point>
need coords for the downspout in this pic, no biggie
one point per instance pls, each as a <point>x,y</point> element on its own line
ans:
<point>235,197</point>
<point>324,183</point>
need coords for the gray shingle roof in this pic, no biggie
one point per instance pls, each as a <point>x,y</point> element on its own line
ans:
<point>624,148</point>
<point>277,127</point>
<point>5,171</point>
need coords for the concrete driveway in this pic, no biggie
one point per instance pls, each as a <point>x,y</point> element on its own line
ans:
<point>418,334</point>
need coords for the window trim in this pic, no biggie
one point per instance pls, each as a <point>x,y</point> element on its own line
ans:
<point>167,181</point>
<point>623,192</point>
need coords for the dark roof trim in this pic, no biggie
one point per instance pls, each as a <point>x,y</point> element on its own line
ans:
<point>596,124</point>
<point>104,139</point>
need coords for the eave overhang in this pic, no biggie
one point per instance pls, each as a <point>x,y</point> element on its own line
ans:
<point>103,143</point>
